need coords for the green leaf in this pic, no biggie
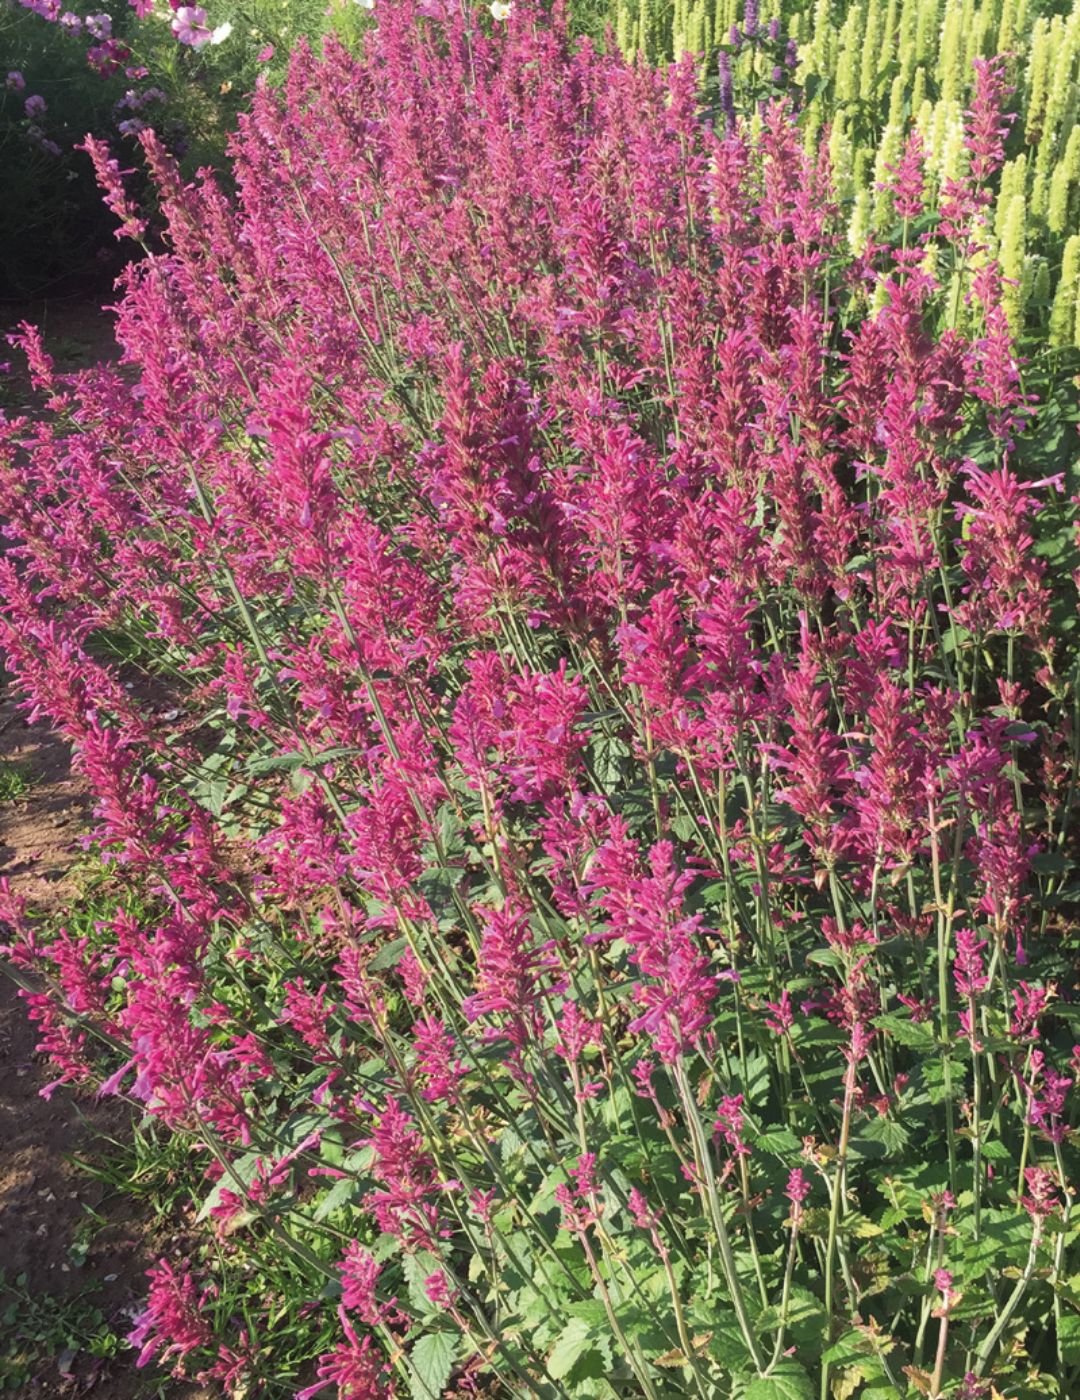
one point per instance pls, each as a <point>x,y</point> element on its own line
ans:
<point>432,1360</point>
<point>1069,1337</point>
<point>893,1136</point>
<point>905,1031</point>
<point>212,796</point>
<point>417,1268</point>
<point>1004,1239</point>
<point>273,763</point>
<point>686,828</point>
<point>788,1382</point>
<point>511,1144</point>
<point>588,1310</point>
<point>756,1083</point>
<point>851,1346</point>
<point>725,1340</point>
<point>826,957</point>
<point>804,1316</point>
<point>339,1196</point>
<point>300,1125</point>
<point>780,1141</point>
<point>389,956</point>
<point>240,1174</point>
<point>593,1388</point>
<point>573,1342</point>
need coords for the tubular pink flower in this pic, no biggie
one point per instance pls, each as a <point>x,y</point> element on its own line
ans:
<point>987,123</point>
<point>110,178</point>
<point>355,1367</point>
<point>404,1204</point>
<point>798,1188</point>
<point>510,977</point>
<point>647,911</point>
<point>907,179</point>
<point>359,1275</point>
<point>1041,1198</point>
<point>435,1062</point>
<point>171,1325</point>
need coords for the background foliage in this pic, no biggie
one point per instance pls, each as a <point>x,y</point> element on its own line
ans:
<point>53,229</point>
<point>867,71</point>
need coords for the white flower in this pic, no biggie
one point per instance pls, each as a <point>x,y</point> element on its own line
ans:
<point>500,9</point>
<point>365,4</point>
<point>221,33</point>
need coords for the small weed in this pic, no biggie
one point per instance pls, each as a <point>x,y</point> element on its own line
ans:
<point>15,780</point>
<point>40,1332</point>
<point>151,1168</point>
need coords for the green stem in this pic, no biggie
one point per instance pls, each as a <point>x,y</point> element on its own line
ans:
<point>1013,1302</point>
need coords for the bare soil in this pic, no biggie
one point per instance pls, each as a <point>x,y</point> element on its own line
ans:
<point>45,1201</point>
<point>76,330</point>
<point>39,831</point>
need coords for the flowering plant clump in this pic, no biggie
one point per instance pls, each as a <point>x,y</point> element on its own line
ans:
<point>572,682</point>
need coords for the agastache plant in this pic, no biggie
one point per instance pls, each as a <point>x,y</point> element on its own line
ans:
<point>603,891</point>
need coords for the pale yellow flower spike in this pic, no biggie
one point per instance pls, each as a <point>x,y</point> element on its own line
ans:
<point>1013,247</point>
<point>1063,311</point>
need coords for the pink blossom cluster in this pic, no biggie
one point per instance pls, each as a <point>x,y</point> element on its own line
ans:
<point>617,719</point>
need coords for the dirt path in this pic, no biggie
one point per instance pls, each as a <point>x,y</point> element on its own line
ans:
<point>69,1279</point>
<point>76,331</point>
<point>39,830</point>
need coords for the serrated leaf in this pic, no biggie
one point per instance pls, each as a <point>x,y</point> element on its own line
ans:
<point>510,1144</point>
<point>241,1171</point>
<point>588,1310</point>
<point>756,1083</point>
<point>780,1141</point>
<point>573,1342</point>
<point>389,956</point>
<point>274,763</point>
<point>673,1359</point>
<point>905,1031</point>
<point>804,1310</point>
<point>893,1136</point>
<point>847,1382</point>
<point>417,1268</point>
<point>339,1196</point>
<point>725,1341</point>
<point>788,1382</point>
<point>1069,1337</point>
<point>432,1360</point>
<point>825,957</point>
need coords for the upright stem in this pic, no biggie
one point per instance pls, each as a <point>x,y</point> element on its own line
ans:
<point>723,1240</point>
<point>834,1216</point>
<point>986,1350</point>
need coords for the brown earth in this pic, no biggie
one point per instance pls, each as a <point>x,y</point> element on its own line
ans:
<point>75,329</point>
<point>44,1199</point>
<point>48,1237</point>
<point>39,831</point>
